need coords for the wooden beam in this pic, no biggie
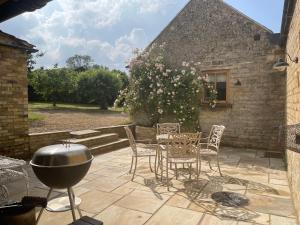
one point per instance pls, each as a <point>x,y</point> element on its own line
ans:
<point>3,1</point>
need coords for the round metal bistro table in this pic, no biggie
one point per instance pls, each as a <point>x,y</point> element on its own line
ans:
<point>61,167</point>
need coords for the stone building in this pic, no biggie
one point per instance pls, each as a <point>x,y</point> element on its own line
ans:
<point>14,140</point>
<point>238,54</point>
<point>290,32</point>
<point>13,96</point>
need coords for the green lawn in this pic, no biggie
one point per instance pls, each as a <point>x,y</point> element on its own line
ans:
<point>33,116</point>
<point>35,106</point>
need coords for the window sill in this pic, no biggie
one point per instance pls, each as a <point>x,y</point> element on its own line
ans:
<point>220,105</point>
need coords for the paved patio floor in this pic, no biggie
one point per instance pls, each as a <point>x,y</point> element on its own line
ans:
<point>108,194</point>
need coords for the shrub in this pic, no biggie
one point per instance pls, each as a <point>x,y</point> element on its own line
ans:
<point>98,86</point>
<point>161,91</point>
<point>94,86</point>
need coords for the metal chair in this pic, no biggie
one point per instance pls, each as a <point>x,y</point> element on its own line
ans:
<point>210,145</point>
<point>168,128</point>
<point>181,149</point>
<point>163,130</point>
<point>144,150</point>
<point>11,170</point>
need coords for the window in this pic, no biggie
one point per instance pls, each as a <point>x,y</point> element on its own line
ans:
<point>219,80</point>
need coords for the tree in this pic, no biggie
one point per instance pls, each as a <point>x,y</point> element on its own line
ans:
<point>99,86</point>
<point>79,62</point>
<point>53,83</point>
<point>31,60</point>
<point>124,78</point>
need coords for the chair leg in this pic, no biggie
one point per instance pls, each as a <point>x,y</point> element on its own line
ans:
<point>135,165</point>
<point>209,164</point>
<point>155,165</point>
<point>176,172</point>
<point>219,166</point>
<point>161,168</point>
<point>167,170</point>
<point>150,164</point>
<point>190,170</point>
<point>131,164</point>
<point>199,168</point>
<point>197,171</point>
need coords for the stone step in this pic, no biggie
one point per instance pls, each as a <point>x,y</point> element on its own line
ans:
<point>85,134</point>
<point>121,143</point>
<point>96,140</point>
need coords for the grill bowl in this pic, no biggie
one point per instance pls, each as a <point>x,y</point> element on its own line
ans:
<point>59,167</point>
<point>63,176</point>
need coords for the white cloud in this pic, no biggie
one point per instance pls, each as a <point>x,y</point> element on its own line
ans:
<point>154,6</point>
<point>108,30</point>
<point>113,55</point>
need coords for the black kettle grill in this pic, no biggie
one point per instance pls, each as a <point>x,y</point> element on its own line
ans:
<point>21,213</point>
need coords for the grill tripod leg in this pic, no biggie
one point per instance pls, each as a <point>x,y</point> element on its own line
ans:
<point>42,210</point>
<point>70,193</point>
<point>79,211</point>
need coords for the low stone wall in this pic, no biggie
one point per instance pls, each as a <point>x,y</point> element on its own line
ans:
<point>38,140</point>
<point>115,129</point>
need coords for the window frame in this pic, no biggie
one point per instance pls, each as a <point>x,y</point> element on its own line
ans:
<point>216,73</point>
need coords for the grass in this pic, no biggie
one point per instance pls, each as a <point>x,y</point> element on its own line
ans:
<point>32,117</point>
<point>35,106</point>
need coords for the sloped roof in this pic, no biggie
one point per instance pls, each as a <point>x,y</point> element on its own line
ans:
<point>246,17</point>
<point>225,5</point>
<point>12,41</point>
<point>12,8</point>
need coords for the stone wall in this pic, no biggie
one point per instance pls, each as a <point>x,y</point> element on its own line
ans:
<point>119,129</point>
<point>293,103</point>
<point>221,38</point>
<point>13,102</point>
<point>38,140</point>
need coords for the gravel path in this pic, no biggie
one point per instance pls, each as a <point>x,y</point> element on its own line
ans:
<point>59,120</point>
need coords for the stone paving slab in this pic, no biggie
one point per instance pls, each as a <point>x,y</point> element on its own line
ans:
<point>115,215</point>
<point>108,193</point>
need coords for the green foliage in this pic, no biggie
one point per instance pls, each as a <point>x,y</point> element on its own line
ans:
<point>31,60</point>
<point>123,77</point>
<point>79,62</point>
<point>53,83</point>
<point>99,86</point>
<point>161,91</point>
<point>94,86</point>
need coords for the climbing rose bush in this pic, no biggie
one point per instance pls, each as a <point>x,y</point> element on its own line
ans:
<point>161,91</point>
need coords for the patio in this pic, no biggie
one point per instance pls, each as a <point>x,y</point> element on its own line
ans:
<point>108,194</point>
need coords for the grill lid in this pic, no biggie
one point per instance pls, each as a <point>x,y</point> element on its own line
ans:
<point>61,155</point>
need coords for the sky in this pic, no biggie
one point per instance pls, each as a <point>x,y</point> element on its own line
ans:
<point>109,30</point>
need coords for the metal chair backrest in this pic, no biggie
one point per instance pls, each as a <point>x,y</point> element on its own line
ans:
<point>183,145</point>
<point>131,140</point>
<point>168,128</point>
<point>215,135</point>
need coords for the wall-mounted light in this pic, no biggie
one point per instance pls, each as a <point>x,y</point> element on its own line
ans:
<point>281,65</point>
